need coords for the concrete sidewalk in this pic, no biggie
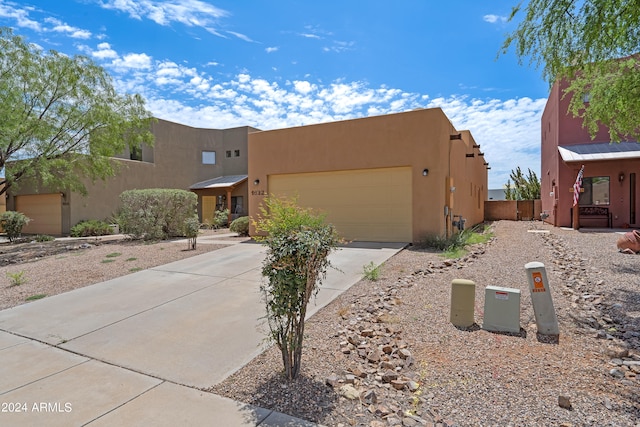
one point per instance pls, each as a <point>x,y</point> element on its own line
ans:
<point>136,349</point>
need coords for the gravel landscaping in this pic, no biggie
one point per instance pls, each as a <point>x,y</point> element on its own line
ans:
<point>49,268</point>
<point>385,354</point>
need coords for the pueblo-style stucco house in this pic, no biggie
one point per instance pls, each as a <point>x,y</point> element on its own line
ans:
<point>210,162</point>
<point>611,196</point>
<point>391,178</point>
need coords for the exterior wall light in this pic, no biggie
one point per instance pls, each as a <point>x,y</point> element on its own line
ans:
<point>256,182</point>
<point>621,177</point>
<point>425,172</point>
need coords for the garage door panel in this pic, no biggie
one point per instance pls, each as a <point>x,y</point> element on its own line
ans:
<point>366,204</point>
<point>44,210</point>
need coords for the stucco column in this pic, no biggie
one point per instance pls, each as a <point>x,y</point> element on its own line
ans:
<point>229,204</point>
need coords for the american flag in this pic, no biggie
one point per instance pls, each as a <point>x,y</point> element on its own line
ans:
<point>577,186</point>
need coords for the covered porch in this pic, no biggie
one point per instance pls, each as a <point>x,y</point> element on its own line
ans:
<point>217,194</point>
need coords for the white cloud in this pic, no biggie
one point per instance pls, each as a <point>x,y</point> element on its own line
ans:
<point>241,36</point>
<point>192,13</point>
<point>104,51</point>
<point>73,32</point>
<point>138,61</point>
<point>272,49</point>
<point>339,46</point>
<point>310,36</point>
<point>492,19</point>
<point>303,87</point>
<point>21,17</point>
<point>508,130</point>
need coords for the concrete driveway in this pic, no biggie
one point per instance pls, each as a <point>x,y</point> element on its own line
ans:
<point>134,350</point>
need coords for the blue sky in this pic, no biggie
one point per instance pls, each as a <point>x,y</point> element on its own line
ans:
<point>221,64</point>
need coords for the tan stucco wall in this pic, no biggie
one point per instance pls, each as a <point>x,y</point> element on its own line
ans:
<point>419,139</point>
<point>174,161</point>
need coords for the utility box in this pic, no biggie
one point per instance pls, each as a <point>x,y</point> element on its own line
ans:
<point>501,309</point>
<point>546,319</point>
<point>463,299</point>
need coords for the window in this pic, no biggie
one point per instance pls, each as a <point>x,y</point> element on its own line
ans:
<point>236,153</point>
<point>236,205</point>
<point>208,157</point>
<point>596,191</point>
<point>228,154</point>
<point>135,153</point>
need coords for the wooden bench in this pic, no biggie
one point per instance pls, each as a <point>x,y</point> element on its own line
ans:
<point>595,213</point>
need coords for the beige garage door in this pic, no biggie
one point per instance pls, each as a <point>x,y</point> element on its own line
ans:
<point>45,211</point>
<point>367,204</point>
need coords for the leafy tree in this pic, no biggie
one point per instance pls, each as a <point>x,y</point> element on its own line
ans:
<point>524,188</point>
<point>60,117</point>
<point>298,245</point>
<point>592,44</point>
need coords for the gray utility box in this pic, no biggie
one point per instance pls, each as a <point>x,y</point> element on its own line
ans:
<point>501,309</point>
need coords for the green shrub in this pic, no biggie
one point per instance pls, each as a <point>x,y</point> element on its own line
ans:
<point>43,238</point>
<point>191,229</point>
<point>16,279</point>
<point>12,223</point>
<point>91,228</point>
<point>220,219</point>
<point>371,271</point>
<point>298,245</point>
<point>155,214</point>
<point>240,225</point>
<point>454,245</point>
<point>442,243</point>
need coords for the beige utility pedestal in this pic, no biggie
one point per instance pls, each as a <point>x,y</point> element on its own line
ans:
<point>463,299</point>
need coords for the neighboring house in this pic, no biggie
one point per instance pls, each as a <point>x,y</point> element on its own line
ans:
<point>497,194</point>
<point>393,178</point>
<point>610,196</point>
<point>210,162</point>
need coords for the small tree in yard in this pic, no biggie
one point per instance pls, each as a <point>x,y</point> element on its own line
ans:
<point>12,223</point>
<point>299,242</point>
<point>191,229</point>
